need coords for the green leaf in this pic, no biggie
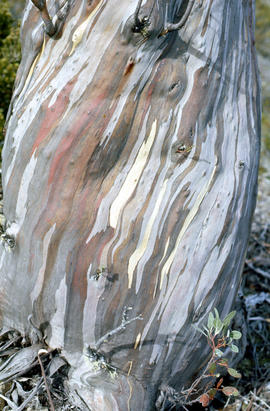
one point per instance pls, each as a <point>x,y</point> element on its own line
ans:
<point>223,362</point>
<point>230,391</point>
<point>212,393</point>
<point>219,383</point>
<point>218,352</point>
<point>235,335</point>
<point>206,329</point>
<point>216,312</point>
<point>212,368</point>
<point>234,373</point>
<point>228,318</point>
<point>234,348</point>
<point>210,323</point>
<point>218,326</point>
<point>199,329</point>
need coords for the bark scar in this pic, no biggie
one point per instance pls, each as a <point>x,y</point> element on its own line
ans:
<point>129,66</point>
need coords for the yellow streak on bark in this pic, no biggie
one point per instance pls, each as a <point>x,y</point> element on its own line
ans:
<point>130,367</point>
<point>161,261</point>
<point>187,222</point>
<point>138,339</point>
<point>34,64</point>
<point>132,178</point>
<point>79,32</point>
<point>138,253</point>
<point>130,394</point>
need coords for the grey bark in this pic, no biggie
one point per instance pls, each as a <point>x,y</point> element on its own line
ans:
<point>129,175</point>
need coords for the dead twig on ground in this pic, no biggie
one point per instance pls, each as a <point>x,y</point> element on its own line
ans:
<point>45,378</point>
<point>258,270</point>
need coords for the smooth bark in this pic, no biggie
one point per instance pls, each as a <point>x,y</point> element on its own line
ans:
<point>129,177</point>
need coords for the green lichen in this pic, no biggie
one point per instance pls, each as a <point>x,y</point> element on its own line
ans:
<point>10,54</point>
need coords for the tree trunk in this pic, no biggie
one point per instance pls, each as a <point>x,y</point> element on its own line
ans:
<point>129,176</point>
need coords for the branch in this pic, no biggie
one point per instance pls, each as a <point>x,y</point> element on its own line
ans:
<point>199,379</point>
<point>137,21</point>
<point>31,395</point>
<point>50,28</point>
<point>45,379</point>
<point>177,26</point>
<point>115,331</point>
<point>258,270</point>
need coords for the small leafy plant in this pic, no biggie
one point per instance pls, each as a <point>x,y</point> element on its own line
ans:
<point>219,337</point>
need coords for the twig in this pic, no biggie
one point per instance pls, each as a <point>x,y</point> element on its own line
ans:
<point>264,232</point>
<point>31,395</point>
<point>260,400</point>
<point>10,403</point>
<point>263,246</point>
<point>258,271</point>
<point>177,26</point>
<point>82,400</point>
<point>49,26</point>
<point>115,331</point>
<point>210,362</point>
<point>199,379</point>
<point>137,21</point>
<point>9,343</point>
<point>249,407</point>
<point>45,379</point>
<point>259,319</point>
<point>227,402</point>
